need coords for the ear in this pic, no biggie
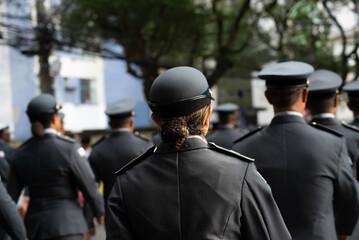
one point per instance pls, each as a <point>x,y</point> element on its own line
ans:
<point>206,121</point>
<point>154,120</point>
<point>305,95</point>
<point>132,122</point>
<point>266,95</point>
<point>335,101</point>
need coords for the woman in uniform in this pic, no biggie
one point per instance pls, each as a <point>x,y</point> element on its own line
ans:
<point>54,168</point>
<point>186,188</point>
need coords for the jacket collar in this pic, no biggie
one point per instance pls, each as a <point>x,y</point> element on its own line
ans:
<point>287,119</point>
<point>189,144</point>
<point>325,121</point>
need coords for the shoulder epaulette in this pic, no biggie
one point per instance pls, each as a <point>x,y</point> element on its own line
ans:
<point>324,128</point>
<point>25,143</point>
<point>100,140</point>
<point>65,138</point>
<point>138,159</point>
<point>351,127</point>
<point>226,151</point>
<point>137,134</point>
<point>249,134</point>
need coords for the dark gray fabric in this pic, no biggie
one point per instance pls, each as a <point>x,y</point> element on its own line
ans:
<point>54,169</point>
<point>351,137</point>
<point>193,193</point>
<point>111,154</point>
<point>309,172</point>
<point>10,219</point>
<point>356,122</point>
<point>224,136</point>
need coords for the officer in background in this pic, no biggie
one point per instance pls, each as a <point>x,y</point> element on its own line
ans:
<point>10,219</point>
<point>122,145</point>
<point>352,89</point>
<point>6,151</point>
<point>53,167</point>
<point>185,188</point>
<point>226,132</point>
<point>307,166</point>
<point>322,104</point>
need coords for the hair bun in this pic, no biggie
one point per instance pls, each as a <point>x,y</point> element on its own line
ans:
<point>174,132</point>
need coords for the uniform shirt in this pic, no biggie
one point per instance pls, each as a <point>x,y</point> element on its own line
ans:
<point>112,153</point>
<point>309,172</point>
<point>197,192</point>
<point>54,168</point>
<point>224,136</point>
<point>10,219</point>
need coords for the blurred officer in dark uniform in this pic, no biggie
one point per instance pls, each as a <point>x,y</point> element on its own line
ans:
<point>322,103</point>
<point>185,188</point>
<point>54,168</point>
<point>5,150</point>
<point>111,153</point>
<point>226,132</point>
<point>307,166</point>
<point>10,219</point>
<point>352,89</point>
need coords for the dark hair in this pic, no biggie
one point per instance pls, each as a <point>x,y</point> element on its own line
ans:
<point>45,119</point>
<point>353,104</point>
<point>225,118</point>
<point>120,122</point>
<point>283,97</point>
<point>318,105</point>
<point>174,131</point>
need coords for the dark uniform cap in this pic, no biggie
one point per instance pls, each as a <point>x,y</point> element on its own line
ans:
<point>226,108</point>
<point>352,88</point>
<point>44,103</point>
<point>121,109</point>
<point>178,92</point>
<point>324,83</point>
<point>286,74</point>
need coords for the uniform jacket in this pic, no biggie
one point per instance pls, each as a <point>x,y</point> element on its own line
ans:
<point>351,136</point>
<point>356,122</point>
<point>197,192</point>
<point>112,153</point>
<point>54,168</point>
<point>10,219</point>
<point>224,136</point>
<point>309,172</point>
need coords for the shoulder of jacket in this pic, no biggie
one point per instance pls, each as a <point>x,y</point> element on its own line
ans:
<point>25,143</point>
<point>249,134</point>
<point>138,159</point>
<point>231,153</point>
<point>351,127</point>
<point>139,135</point>
<point>99,141</point>
<point>65,138</point>
<point>326,129</point>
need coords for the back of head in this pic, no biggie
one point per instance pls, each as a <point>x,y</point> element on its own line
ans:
<point>352,89</point>
<point>227,113</point>
<point>285,82</point>
<point>323,87</point>
<point>121,113</point>
<point>180,100</point>
<point>40,111</point>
